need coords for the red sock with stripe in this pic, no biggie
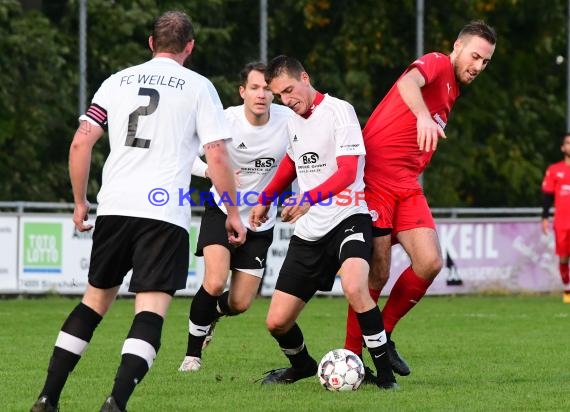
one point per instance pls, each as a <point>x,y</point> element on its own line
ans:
<point>407,291</point>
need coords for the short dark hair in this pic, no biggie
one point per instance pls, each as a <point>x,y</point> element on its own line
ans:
<point>564,138</point>
<point>283,64</point>
<point>171,32</point>
<point>248,68</point>
<point>481,29</point>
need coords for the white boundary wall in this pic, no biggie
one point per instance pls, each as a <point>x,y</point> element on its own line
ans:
<point>43,253</point>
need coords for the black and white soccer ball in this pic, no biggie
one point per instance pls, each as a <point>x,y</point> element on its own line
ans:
<point>341,370</point>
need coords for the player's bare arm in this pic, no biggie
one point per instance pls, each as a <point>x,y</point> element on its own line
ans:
<point>200,168</point>
<point>429,131</point>
<point>222,176</point>
<point>220,173</point>
<point>79,165</point>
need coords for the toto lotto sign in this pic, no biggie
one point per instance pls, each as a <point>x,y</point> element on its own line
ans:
<point>53,256</point>
<point>42,247</point>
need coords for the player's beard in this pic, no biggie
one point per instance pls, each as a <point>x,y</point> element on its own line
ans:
<point>459,69</point>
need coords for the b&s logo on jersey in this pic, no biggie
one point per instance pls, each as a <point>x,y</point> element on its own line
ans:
<point>309,162</point>
<point>264,162</point>
<point>309,158</point>
<point>42,247</point>
<point>261,166</point>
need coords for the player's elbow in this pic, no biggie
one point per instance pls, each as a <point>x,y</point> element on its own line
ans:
<point>79,147</point>
<point>217,154</point>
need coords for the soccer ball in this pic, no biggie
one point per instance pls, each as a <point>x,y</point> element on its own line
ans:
<point>341,370</point>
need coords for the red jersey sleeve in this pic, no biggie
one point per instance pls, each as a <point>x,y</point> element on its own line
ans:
<point>430,65</point>
<point>340,180</point>
<point>284,175</point>
<point>548,183</point>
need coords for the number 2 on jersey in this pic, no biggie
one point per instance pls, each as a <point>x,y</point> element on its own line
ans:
<point>133,141</point>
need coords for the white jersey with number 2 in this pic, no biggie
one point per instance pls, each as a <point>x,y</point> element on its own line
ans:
<point>159,113</point>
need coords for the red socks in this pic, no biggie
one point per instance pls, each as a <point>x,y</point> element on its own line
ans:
<point>353,340</point>
<point>407,291</point>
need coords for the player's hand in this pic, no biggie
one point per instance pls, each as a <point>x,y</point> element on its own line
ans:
<point>295,207</point>
<point>258,216</point>
<point>81,215</point>
<point>236,230</point>
<point>428,133</point>
<point>545,226</point>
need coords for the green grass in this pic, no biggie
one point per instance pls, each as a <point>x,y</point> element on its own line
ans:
<point>475,353</point>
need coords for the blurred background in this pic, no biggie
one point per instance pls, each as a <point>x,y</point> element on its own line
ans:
<point>504,130</point>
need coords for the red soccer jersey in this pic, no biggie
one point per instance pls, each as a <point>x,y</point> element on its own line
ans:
<point>390,135</point>
<point>557,182</point>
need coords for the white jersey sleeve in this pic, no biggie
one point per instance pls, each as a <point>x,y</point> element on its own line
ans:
<point>210,115</point>
<point>348,135</point>
<point>199,167</point>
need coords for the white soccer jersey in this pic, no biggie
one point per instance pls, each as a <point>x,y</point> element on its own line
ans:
<point>332,130</point>
<point>159,113</point>
<point>256,152</point>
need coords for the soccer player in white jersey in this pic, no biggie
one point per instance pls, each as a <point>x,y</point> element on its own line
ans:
<point>157,114</point>
<point>333,231</point>
<point>260,137</point>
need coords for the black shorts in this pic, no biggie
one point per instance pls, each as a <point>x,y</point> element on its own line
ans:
<point>251,255</point>
<point>157,251</point>
<point>313,266</point>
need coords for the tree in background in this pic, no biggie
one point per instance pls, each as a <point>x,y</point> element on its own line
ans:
<point>505,130</point>
<point>500,137</point>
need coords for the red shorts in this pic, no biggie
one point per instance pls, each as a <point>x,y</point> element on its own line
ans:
<point>562,237</point>
<point>397,209</point>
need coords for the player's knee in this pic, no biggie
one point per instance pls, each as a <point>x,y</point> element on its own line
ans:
<point>357,296</point>
<point>239,306</point>
<point>99,302</point>
<point>276,326</point>
<point>351,291</point>
<point>214,285</point>
<point>437,265</point>
<point>431,267</point>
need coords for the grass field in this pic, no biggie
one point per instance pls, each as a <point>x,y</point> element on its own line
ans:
<point>483,353</point>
